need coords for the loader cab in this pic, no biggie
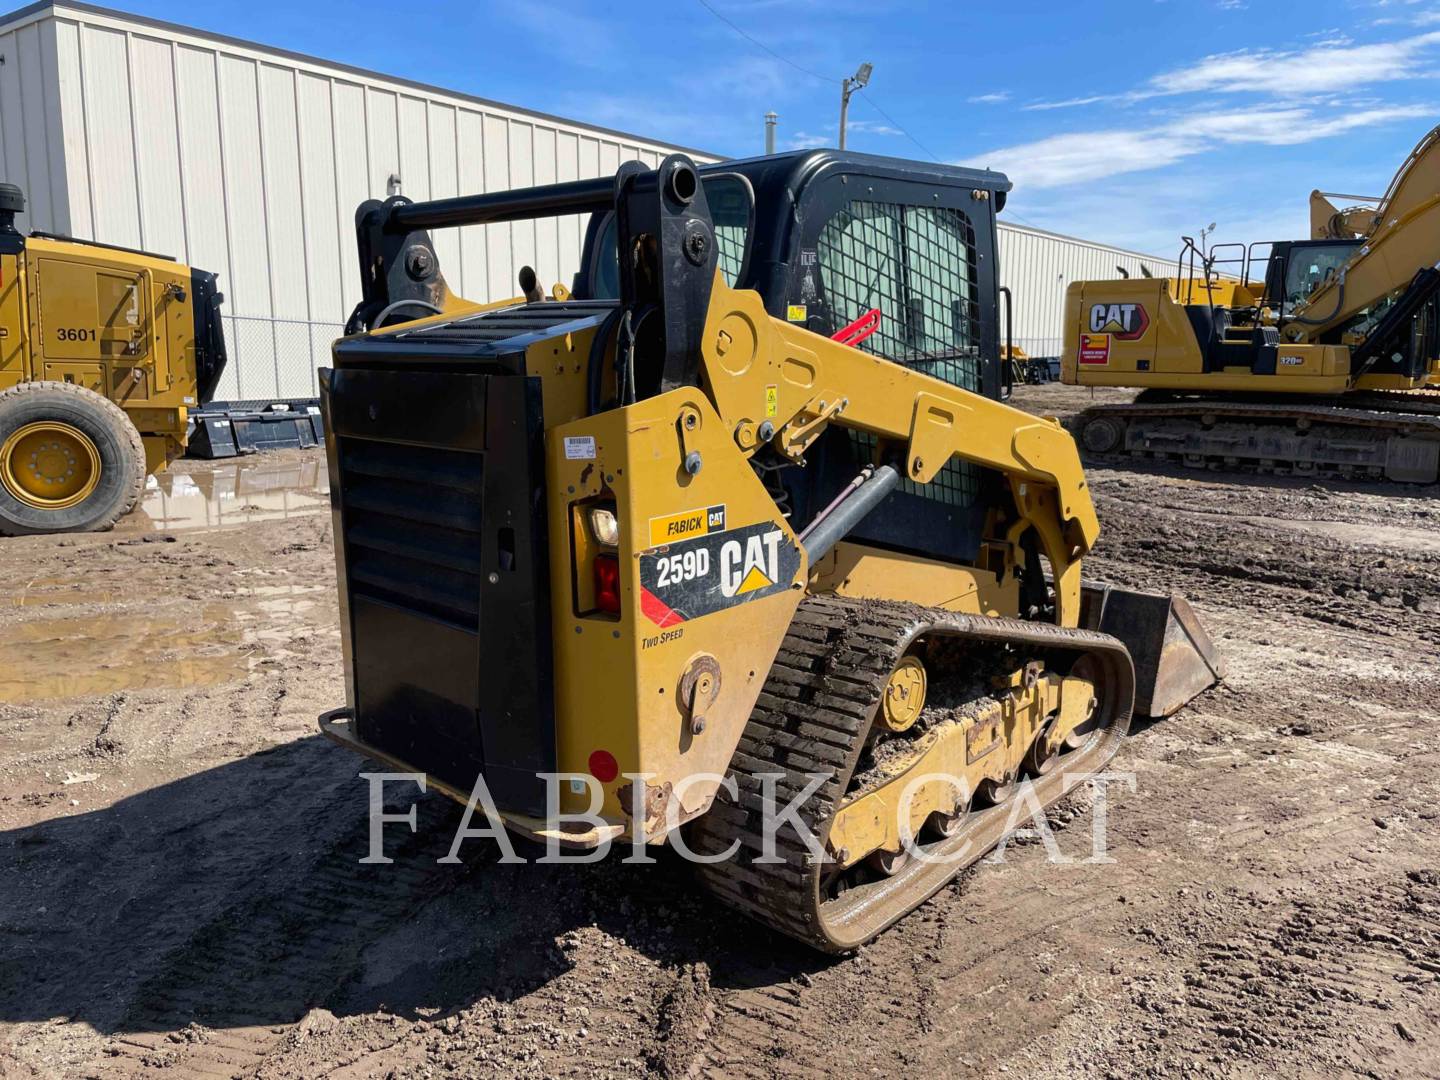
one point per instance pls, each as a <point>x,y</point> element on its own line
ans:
<point>826,237</point>
<point>837,235</point>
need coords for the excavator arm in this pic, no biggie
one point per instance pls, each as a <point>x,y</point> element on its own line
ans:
<point>1405,240</point>
<point>1329,222</point>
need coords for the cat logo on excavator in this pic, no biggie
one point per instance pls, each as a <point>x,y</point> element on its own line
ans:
<point>1126,321</point>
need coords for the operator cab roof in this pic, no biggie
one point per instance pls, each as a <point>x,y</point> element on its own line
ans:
<point>793,170</point>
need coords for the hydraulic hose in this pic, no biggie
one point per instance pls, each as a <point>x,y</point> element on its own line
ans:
<point>595,369</point>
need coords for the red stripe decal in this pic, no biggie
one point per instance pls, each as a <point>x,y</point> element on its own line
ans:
<point>657,611</point>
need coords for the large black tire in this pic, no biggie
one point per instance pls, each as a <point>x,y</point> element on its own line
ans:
<point>85,419</point>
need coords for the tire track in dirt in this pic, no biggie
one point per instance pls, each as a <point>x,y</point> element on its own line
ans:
<point>212,1007</point>
<point>1341,982</point>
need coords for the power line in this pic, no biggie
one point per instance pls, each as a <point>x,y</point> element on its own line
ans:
<point>812,74</point>
<point>898,126</point>
<point>761,45</point>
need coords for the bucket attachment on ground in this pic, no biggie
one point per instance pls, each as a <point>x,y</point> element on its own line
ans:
<point>1175,660</point>
<point>221,432</point>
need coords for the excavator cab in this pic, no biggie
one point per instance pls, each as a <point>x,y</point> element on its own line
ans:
<point>1297,268</point>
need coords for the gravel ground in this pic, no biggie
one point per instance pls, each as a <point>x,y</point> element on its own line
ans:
<point>180,887</point>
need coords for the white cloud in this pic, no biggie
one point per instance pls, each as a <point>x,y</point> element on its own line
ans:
<point>1070,103</point>
<point>1079,157</point>
<point>1332,64</point>
<point>803,140</point>
<point>996,98</point>
<point>872,127</point>
<point>1325,66</point>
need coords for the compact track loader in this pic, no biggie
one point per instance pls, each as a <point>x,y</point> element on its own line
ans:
<point>104,351</point>
<point>1327,363</point>
<point>665,534</point>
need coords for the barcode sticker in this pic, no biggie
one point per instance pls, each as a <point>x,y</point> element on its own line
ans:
<point>580,447</point>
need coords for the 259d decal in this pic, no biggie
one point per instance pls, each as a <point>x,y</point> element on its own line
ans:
<point>713,572</point>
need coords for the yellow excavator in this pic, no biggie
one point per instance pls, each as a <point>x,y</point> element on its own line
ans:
<point>1324,365</point>
<point>104,352</point>
<point>736,521</point>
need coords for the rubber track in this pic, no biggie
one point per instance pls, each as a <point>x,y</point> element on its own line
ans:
<point>1381,413</point>
<point>812,718</point>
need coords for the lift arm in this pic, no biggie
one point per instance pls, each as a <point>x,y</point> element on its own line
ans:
<point>771,380</point>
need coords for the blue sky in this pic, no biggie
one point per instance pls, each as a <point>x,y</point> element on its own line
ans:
<point>1127,122</point>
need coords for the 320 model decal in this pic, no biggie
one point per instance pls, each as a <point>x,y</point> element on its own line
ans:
<point>715,571</point>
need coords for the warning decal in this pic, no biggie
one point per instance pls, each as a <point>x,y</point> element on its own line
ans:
<point>716,571</point>
<point>1094,348</point>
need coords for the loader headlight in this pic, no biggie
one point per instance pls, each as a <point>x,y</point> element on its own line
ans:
<point>604,527</point>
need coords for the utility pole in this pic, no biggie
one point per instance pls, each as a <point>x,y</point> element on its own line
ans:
<point>848,87</point>
<point>771,118</point>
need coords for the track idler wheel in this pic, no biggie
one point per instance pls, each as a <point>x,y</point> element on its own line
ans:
<point>1102,434</point>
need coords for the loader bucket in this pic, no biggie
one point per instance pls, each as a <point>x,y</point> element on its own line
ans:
<point>1174,657</point>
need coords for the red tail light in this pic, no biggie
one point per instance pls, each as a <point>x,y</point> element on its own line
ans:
<point>607,583</point>
<point>603,766</point>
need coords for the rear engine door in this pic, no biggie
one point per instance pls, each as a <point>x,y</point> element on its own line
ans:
<point>92,312</point>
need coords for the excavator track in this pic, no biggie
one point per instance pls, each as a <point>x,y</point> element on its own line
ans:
<point>1378,435</point>
<point>815,718</point>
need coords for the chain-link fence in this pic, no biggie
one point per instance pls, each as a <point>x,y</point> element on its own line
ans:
<point>274,359</point>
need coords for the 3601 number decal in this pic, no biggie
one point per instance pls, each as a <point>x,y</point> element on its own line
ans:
<point>70,333</point>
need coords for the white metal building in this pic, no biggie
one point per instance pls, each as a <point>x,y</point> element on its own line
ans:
<point>250,161</point>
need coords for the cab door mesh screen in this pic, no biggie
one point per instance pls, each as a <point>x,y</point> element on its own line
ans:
<point>916,264</point>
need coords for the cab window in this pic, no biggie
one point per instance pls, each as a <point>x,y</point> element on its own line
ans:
<point>1311,267</point>
<point>916,264</point>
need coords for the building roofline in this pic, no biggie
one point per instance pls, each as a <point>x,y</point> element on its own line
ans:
<point>1019,227</point>
<point>61,7</point>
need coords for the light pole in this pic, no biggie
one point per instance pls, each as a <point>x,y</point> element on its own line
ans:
<point>771,119</point>
<point>1209,230</point>
<point>848,87</point>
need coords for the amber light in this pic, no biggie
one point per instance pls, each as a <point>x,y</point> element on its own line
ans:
<point>607,583</point>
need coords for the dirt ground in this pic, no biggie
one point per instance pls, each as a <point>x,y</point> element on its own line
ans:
<point>180,892</point>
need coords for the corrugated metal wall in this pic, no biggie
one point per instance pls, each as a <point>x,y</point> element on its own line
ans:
<point>1038,267</point>
<point>31,149</point>
<point>251,163</point>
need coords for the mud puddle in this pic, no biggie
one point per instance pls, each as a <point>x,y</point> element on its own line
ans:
<point>75,656</point>
<point>231,493</point>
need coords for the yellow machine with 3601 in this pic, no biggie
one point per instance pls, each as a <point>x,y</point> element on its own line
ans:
<point>103,352</point>
<point>1324,367</point>
<point>664,534</point>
